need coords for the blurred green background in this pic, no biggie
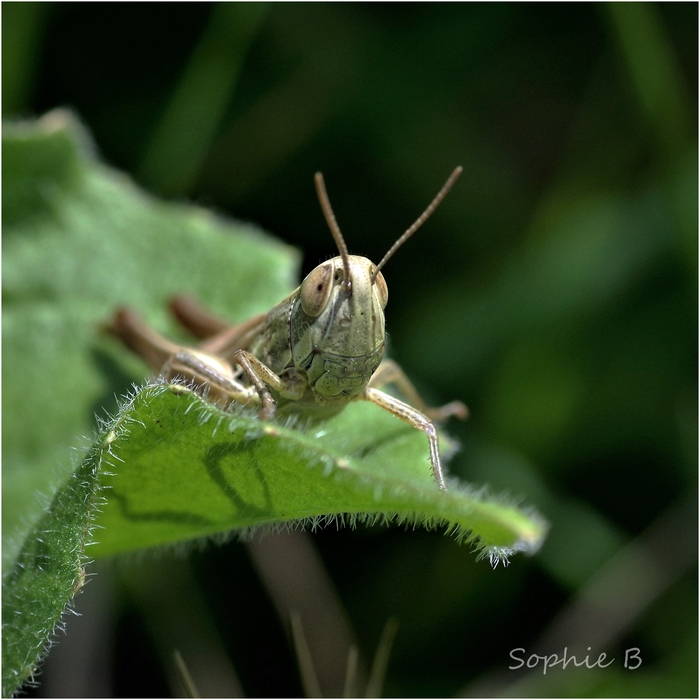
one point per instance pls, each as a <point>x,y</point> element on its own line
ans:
<point>554,291</point>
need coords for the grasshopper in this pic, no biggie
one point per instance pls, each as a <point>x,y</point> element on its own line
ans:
<point>313,353</point>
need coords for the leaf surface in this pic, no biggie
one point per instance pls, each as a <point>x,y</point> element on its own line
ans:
<point>80,239</point>
<point>180,468</point>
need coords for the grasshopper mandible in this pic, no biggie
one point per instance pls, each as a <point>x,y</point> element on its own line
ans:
<point>313,353</point>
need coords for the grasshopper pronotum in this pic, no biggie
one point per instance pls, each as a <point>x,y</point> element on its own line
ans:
<point>317,350</point>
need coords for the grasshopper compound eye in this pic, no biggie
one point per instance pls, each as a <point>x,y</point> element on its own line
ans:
<point>382,289</point>
<point>316,289</point>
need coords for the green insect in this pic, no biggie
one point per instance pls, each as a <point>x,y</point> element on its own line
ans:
<point>311,354</point>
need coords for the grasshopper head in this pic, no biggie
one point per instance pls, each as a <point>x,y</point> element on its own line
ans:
<point>337,327</point>
<point>345,302</point>
<point>340,241</point>
<point>337,321</point>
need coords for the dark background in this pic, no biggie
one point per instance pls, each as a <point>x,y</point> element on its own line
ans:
<point>554,291</point>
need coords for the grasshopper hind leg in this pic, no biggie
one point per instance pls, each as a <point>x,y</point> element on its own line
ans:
<point>214,377</point>
<point>139,337</point>
<point>415,412</point>
<point>389,372</point>
<point>198,320</point>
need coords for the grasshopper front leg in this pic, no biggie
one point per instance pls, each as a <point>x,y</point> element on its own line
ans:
<point>416,412</point>
<point>413,417</point>
<point>262,377</point>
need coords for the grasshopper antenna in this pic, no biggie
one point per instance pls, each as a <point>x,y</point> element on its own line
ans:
<point>420,220</point>
<point>335,230</point>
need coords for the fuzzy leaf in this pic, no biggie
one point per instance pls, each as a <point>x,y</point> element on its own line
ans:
<point>182,469</point>
<point>47,572</point>
<point>79,239</point>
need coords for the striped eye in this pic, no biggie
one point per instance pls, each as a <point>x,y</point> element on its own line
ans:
<point>315,289</point>
<point>382,289</point>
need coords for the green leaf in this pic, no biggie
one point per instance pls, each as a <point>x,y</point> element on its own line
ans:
<point>180,469</point>
<point>79,240</point>
<point>48,571</point>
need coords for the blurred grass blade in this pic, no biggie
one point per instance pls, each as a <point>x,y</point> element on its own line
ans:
<point>293,573</point>
<point>381,659</point>
<point>309,681</point>
<point>22,33</point>
<point>350,689</point>
<point>182,139</point>
<point>157,593</point>
<point>185,676</point>
<point>655,71</point>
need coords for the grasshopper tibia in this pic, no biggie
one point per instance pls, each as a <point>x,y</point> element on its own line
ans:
<point>390,373</point>
<point>418,420</point>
